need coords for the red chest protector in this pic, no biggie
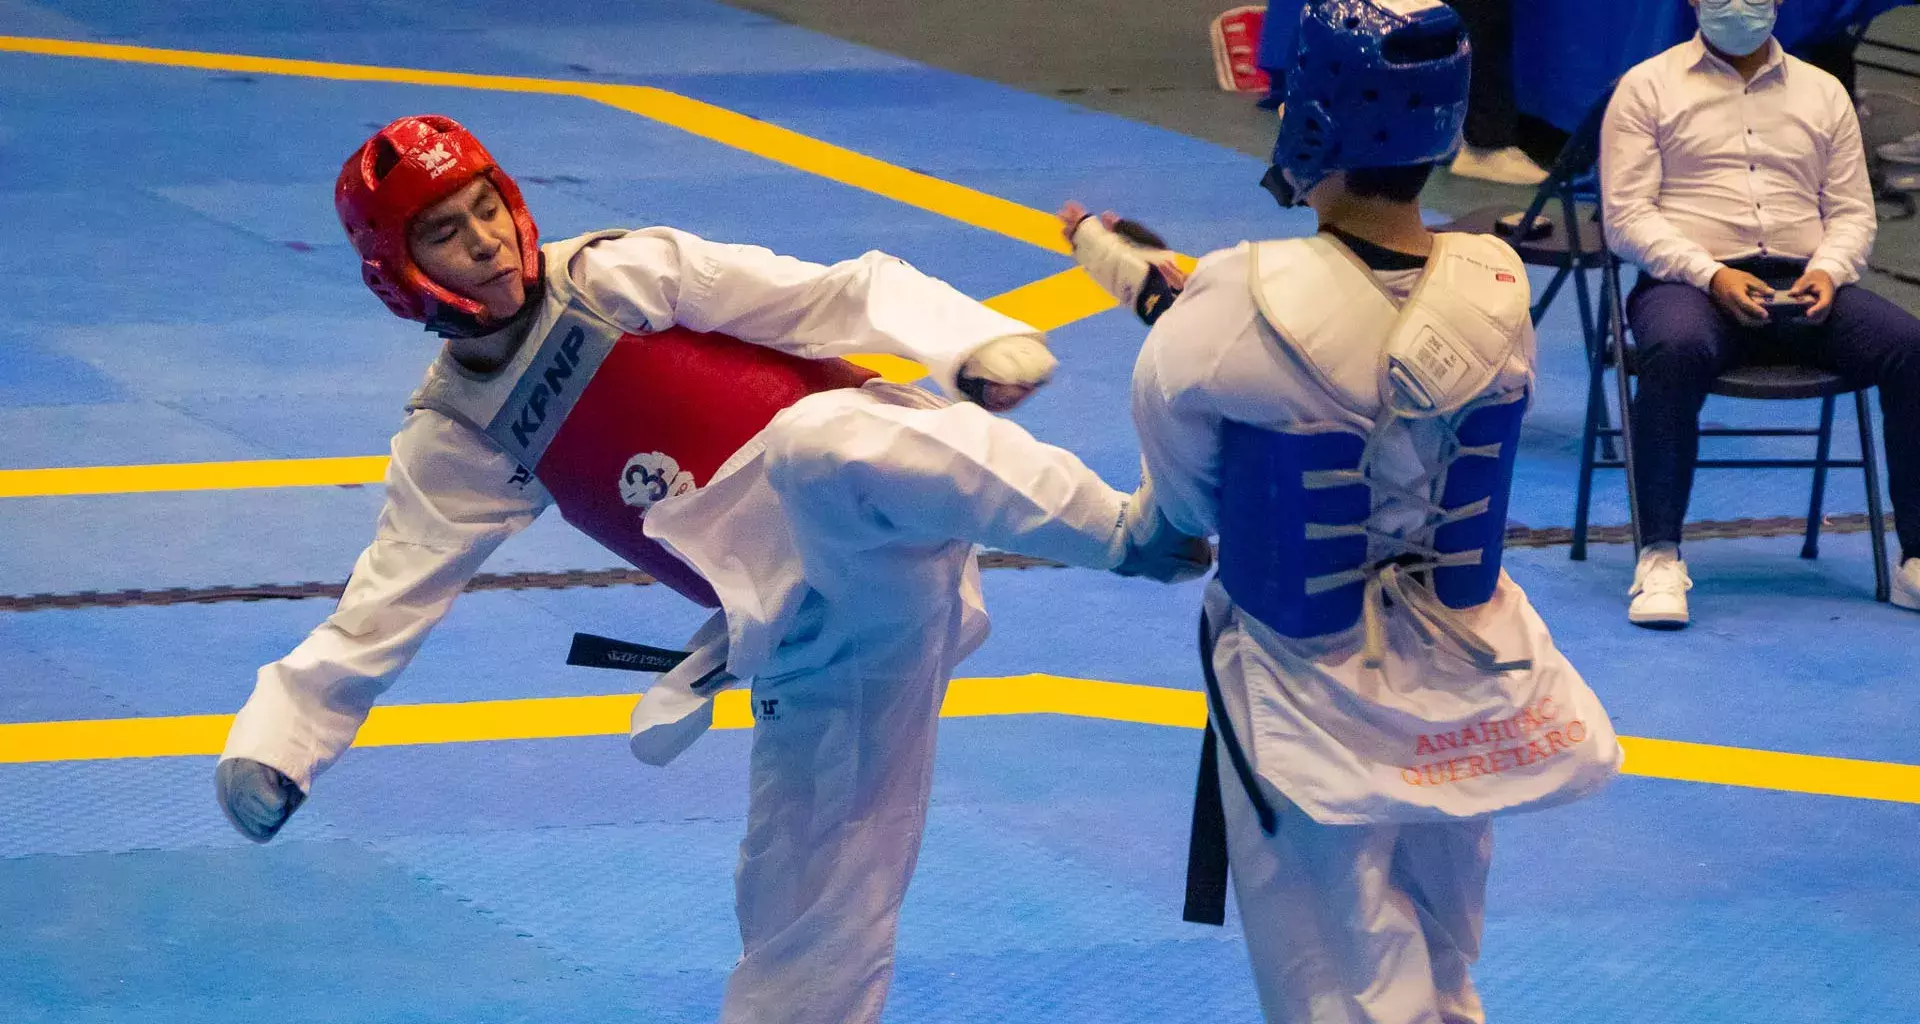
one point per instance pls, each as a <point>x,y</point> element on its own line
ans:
<point>663,413</point>
<point>611,423</point>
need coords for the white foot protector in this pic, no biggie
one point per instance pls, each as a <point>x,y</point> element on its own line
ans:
<point>256,798</point>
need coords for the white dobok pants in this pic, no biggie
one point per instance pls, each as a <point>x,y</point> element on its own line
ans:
<point>886,490</point>
<point>1358,924</point>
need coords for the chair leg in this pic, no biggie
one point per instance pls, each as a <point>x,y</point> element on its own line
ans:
<point>1823,447</point>
<point>1876,516</point>
<point>1609,447</point>
<point>1583,297</point>
<point>1546,297</point>
<point>1617,338</point>
<point>1592,321</point>
<point>1589,433</point>
<point>1608,450</point>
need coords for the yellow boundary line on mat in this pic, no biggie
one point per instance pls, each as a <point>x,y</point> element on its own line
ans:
<point>192,476</point>
<point>553,717</point>
<point>718,124</point>
<point>1047,303</point>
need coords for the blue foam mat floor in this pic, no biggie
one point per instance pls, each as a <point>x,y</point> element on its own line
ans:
<point>179,292</point>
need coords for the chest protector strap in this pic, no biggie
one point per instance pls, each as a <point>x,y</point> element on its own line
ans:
<point>1302,547</point>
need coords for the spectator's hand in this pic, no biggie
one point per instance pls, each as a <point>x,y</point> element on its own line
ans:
<point>1817,286</point>
<point>1739,293</point>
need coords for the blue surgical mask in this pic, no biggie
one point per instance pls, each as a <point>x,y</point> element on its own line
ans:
<point>1737,27</point>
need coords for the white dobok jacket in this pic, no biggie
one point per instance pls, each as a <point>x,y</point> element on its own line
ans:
<point>453,495</point>
<point>1360,689</point>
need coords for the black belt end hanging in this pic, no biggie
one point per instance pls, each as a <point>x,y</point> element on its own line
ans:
<point>1207,844</point>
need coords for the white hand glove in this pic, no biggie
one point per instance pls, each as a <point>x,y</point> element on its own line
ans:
<point>1126,259</point>
<point>256,798</point>
<point>1155,549</point>
<point>1005,371</point>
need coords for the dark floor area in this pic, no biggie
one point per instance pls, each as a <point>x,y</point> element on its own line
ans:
<point>1148,60</point>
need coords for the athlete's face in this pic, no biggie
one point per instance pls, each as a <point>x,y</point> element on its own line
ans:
<point>467,244</point>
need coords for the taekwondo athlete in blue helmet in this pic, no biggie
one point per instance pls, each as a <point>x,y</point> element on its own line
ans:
<point>1343,412</point>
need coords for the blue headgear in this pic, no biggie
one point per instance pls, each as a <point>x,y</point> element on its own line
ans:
<point>1375,83</point>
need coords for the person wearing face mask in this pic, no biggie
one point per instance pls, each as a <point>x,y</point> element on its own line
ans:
<point>1734,176</point>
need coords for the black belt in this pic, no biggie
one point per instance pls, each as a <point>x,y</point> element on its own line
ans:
<point>1206,901</point>
<point>1779,272</point>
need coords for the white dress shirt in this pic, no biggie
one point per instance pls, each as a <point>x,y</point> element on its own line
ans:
<point>1699,167</point>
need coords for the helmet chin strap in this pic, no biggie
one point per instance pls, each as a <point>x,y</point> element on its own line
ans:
<point>448,322</point>
<point>1283,189</point>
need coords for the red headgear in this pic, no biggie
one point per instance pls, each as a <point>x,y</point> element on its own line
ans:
<point>406,167</point>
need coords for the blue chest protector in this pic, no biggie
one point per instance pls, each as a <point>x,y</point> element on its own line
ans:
<point>1299,550</point>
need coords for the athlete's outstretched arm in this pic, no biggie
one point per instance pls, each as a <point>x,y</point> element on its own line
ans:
<point>658,277</point>
<point>451,500</point>
<point>1177,415</point>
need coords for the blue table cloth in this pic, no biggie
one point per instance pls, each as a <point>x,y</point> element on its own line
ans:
<point>1567,51</point>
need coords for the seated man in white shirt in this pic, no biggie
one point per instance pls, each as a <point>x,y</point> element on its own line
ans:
<point>1734,176</point>
<point>681,402</point>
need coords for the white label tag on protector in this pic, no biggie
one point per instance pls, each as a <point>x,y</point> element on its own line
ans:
<point>1435,365</point>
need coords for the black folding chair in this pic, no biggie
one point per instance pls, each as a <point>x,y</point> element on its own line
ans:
<point>1766,383</point>
<point>1542,237</point>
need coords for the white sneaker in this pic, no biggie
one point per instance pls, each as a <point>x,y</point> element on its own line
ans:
<point>1906,585</point>
<point>1660,585</point>
<point>1507,166</point>
<point>1905,151</point>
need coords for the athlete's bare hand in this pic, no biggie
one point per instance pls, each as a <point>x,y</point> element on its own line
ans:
<point>1004,397</point>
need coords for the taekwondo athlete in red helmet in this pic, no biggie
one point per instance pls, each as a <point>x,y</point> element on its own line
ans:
<point>684,403</point>
<point>1344,412</point>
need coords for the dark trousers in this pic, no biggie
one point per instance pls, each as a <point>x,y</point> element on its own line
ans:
<point>1492,115</point>
<point>1685,341</point>
<point>1834,55</point>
